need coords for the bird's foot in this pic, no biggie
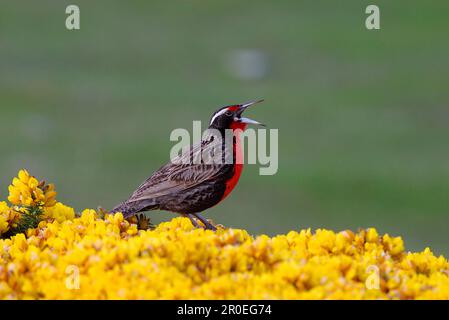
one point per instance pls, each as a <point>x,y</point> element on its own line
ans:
<point>192,220</point>
<point>210,226</point>
<point>206,223</point>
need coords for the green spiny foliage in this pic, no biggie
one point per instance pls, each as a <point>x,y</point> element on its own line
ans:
<point>30,218</point>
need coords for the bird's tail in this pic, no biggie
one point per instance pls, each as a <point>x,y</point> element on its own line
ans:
<point>124,208</point>
<point>129,209</point>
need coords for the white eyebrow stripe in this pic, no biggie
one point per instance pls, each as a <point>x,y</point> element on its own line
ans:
<point>219,113</point>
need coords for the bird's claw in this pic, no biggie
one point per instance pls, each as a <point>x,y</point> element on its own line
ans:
<point>192,220</point>
<point>206,224</point>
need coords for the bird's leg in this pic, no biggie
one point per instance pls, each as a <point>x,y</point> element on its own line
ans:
<point>192,219</point>
<point>205,222</point>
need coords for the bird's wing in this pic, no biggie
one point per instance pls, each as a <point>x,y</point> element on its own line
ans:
<point>181,174</point>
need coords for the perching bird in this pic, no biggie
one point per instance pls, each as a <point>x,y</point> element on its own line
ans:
<point>188,186</point>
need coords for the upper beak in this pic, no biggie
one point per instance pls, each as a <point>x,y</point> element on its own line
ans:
<point>246,105</point>
<point>243,108</point>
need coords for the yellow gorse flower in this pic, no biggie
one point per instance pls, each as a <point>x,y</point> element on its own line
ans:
<point>26,190</point>
<point>106,257</point>
<point>92,258</point>
<point>59,212</point>
<point>8,217</point>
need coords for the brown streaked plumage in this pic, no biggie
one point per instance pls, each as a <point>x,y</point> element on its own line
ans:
<point>187,187</point>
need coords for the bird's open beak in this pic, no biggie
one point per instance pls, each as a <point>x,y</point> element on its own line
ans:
<point>243,107</point>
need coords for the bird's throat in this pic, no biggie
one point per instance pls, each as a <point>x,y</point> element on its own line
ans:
<point>238,159</point>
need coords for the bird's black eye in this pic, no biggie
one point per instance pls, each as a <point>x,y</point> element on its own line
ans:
<point>228,113</point>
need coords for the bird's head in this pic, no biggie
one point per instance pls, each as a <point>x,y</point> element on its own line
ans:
<point>230,117</point>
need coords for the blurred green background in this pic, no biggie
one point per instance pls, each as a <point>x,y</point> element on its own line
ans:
<point>362,115</point>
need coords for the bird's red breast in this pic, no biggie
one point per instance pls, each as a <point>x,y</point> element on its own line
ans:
<point>238,165</point>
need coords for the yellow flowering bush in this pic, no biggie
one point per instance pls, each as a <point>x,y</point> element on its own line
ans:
<point>97,256</point>
<point>31,200</point>
<point>26,190</point>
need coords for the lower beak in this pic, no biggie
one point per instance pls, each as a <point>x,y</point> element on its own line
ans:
<point>250,121</point>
